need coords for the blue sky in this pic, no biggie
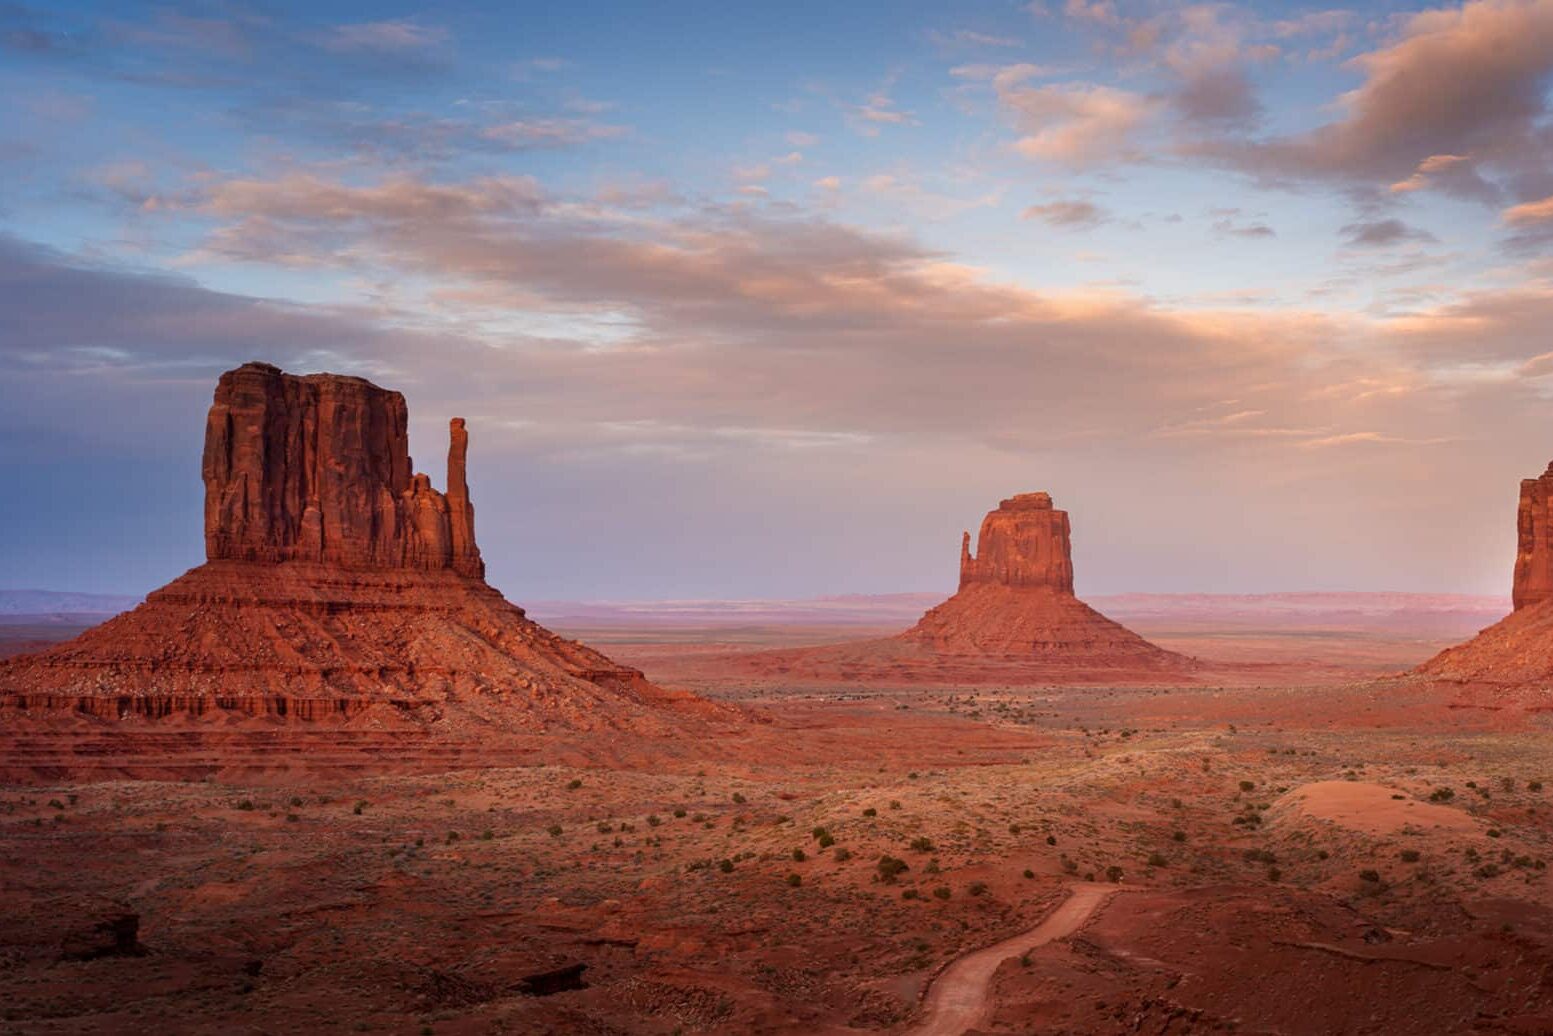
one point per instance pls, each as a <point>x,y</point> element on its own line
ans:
<point>774,300</point>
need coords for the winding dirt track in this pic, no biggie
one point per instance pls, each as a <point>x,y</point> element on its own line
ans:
<point>957,1000</point>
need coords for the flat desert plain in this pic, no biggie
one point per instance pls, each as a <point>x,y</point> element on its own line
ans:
<point>1290,843</point>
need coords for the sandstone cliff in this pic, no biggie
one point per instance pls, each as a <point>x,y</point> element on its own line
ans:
<point>317,468</point>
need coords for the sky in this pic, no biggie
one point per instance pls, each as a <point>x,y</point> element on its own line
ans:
<point>775,300</point>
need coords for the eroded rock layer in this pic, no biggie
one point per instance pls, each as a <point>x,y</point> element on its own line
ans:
<point>341,586</point>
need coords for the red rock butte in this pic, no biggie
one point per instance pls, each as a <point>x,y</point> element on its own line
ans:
<point>1014,620</point>
<point>338,584</point>
<point>1016,599</point>
<point>1511,662</point>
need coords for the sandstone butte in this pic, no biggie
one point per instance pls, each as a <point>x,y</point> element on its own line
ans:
<point>1014,619</point>
<point>1516,653</point>
<point>1016,598</point>
<point>337,583</point>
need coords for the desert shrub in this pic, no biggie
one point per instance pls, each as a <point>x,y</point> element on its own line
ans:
<point>1051,839</point>
<point>1410,855</point>
<point>1274,874</point>
<point>1369,874</point>
<point>554,830</point>
<point>922,844</point>
<point>1029,873</point>
<point>1179,836</point>
<point>895,803</point>
<point>794,880</point>
<point>604,828</point>
<point>842,854</point>
<point>1442,795</point>
<point>1157,860</point>
<point>1247,785</point>
<point>739,799</point>
<point>910,894</point>
<point>932,866</point>
<point>487,835</point>
<point>1113,873</point>
<point>977,888</point>
<point>292,818</point>
<point>1494,832</point>
<point>359,807</point>
<point>826,840</point>
<point>941,892</point>
<point>890,868</point>
<point>247,806</point>
<point>679,814</point>
<point>870,812</point>
<point>1488,870</point>
<point>653,820</point>
<point>1069,865</point>
<point>799,856</point>
<point>1533,785</point>
<point>726,866</point>
<point>1322,854</point>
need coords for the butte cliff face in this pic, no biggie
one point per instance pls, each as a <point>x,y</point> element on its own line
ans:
<point>1517,651</point>
<point>1533,581</point>
<point>317,468</point>
<point>338,583</point>
<point>1016,600</point>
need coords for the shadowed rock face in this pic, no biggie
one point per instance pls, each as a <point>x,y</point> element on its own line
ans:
<point>1534,551</point>
<point>317,468</point>
<point>1025,542</point>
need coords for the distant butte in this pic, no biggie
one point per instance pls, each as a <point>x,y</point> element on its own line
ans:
<point>339,585</point>
<point>1016,599</point>
<point>1014,619</point>
<point>1511,662</point>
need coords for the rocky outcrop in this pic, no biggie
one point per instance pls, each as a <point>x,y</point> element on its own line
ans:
<point>317,468</point>
<point>1511,662</point>
<point>1533,581</point>
<point>1016,599</point>
<point>1024,543</point>
<point>340,587</point>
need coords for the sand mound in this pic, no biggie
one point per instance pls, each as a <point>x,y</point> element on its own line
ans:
<point>1372,809</point>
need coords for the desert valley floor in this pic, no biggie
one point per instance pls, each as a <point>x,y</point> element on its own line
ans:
<point>1287,845</point>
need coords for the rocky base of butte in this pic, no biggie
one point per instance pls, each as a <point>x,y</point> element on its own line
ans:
<point>340,586</point>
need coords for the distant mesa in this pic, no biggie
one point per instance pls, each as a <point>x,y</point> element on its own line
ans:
<point>1511,662</point>
<point>339,585</point>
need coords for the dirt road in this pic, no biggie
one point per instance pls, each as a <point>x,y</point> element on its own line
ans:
<point>957,1000</point>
